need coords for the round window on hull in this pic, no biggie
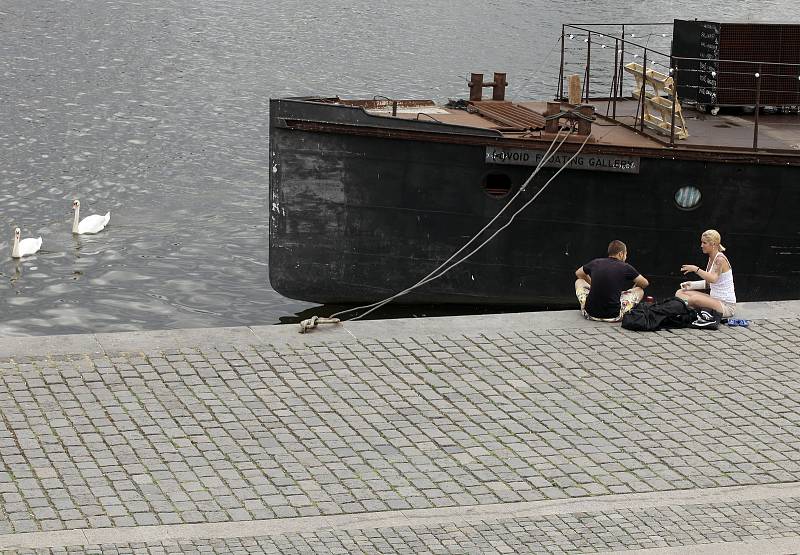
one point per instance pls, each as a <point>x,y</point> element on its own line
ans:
<point>497,185</point>
<point>688,197</point>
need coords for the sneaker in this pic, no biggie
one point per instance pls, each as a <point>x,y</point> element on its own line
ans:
<point>707,319</point>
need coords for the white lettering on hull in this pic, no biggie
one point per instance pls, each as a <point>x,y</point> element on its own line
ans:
<point>592,162</point>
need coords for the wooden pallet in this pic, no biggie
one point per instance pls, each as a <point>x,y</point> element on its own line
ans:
<point>660,99</point>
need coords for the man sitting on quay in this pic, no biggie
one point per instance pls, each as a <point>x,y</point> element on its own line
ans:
<point>609,287</point>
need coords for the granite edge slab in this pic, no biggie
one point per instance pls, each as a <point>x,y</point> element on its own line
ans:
<point>288,334</point>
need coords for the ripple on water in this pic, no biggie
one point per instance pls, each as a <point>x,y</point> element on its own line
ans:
<point>132,111</point>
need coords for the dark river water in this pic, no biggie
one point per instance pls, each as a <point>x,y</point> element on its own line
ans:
<point>157,111</point>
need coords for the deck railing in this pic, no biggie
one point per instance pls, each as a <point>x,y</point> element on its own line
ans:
<point>600,53</point>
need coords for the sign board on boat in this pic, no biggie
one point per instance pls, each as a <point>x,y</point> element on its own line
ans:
<point>696,47</point>
<point>593,162</point>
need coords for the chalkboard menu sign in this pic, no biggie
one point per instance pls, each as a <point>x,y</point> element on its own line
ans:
<point>697,77</point>
<point>770,49</point>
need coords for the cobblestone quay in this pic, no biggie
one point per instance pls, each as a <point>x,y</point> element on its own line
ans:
<point>507,433</point>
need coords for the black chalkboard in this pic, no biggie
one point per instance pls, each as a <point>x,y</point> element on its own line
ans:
<point>696,77</point>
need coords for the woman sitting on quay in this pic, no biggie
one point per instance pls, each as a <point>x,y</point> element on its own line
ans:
<point>718,276</point>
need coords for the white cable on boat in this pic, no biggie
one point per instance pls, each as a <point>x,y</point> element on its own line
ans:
<point>430,277</point>
<point>546,158</point>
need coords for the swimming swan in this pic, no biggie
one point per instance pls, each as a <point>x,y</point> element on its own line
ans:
<point>90,224</point>
<point>26,246</point>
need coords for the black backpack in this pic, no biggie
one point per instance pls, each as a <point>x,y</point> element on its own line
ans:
<point>668,313</point>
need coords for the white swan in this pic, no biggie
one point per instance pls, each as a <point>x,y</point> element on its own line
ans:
<point>26,246</point>
<point>90,224</point>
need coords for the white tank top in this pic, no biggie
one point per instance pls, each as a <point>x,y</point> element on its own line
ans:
<point>723,288</point>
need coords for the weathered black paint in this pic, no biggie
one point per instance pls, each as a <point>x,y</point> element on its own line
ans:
<point>356,218</point>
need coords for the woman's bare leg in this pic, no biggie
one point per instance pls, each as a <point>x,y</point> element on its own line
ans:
<point>698,299</point>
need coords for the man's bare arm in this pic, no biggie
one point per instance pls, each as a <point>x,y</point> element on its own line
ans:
<point>641,281</point>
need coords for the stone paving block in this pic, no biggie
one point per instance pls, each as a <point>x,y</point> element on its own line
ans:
<point>159,431</point>
<point>671,526</point>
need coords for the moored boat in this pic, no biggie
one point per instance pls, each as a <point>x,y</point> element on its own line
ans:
<point>369,196</point>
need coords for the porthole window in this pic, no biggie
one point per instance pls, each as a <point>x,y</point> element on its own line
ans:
<point>688,197</point>
<point>497,185</point>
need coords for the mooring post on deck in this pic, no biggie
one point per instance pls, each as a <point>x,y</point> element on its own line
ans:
<point>551,125</point>
<point>476,86</point>
<point>499,86</point>
<point>585,124</point>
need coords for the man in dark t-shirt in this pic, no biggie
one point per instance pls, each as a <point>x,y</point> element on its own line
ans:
<point>608,287</point>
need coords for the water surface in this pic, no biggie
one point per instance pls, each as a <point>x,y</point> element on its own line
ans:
<point>157,110</point>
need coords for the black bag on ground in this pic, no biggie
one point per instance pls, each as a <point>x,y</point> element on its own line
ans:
<point>668,313</point>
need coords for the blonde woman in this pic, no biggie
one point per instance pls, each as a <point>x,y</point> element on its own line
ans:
<point>717,276</point>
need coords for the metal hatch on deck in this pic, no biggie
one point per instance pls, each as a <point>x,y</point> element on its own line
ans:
<point>509,115</point>
<point>513,117</point>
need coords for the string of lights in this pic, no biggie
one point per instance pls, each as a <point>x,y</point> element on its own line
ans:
<point>585,36</point>
<point>636,56</point>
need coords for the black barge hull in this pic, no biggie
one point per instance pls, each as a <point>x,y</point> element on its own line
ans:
<point>362,207</point>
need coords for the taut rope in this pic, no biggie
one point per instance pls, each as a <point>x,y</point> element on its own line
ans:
<point>443,268</point>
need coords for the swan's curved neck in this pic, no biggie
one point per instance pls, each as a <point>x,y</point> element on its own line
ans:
<point>75,220</point>
<point>15,249</point>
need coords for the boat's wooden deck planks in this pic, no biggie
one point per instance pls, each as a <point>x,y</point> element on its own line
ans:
<point>776,131</point>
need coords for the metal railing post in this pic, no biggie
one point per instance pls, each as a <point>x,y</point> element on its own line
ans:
<point>560,91</point>
<point>758,107</point>
<point>797,95</point>
<point>643,92</point>
<point>622,61</point>
<point>674,73</point>
<point>615,91</point>
<point>588,64</point>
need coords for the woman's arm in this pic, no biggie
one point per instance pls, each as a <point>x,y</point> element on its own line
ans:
<point>710,276</point>
<point>694,285</point>
<point>717,267</point>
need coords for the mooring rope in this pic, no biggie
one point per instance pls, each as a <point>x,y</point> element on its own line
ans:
<point>312,322</point>
<point>442,269</point>
<point>434,275</point>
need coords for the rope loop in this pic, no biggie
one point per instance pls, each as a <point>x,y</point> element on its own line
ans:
<point>571,114</point>
<point>312,322</point>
